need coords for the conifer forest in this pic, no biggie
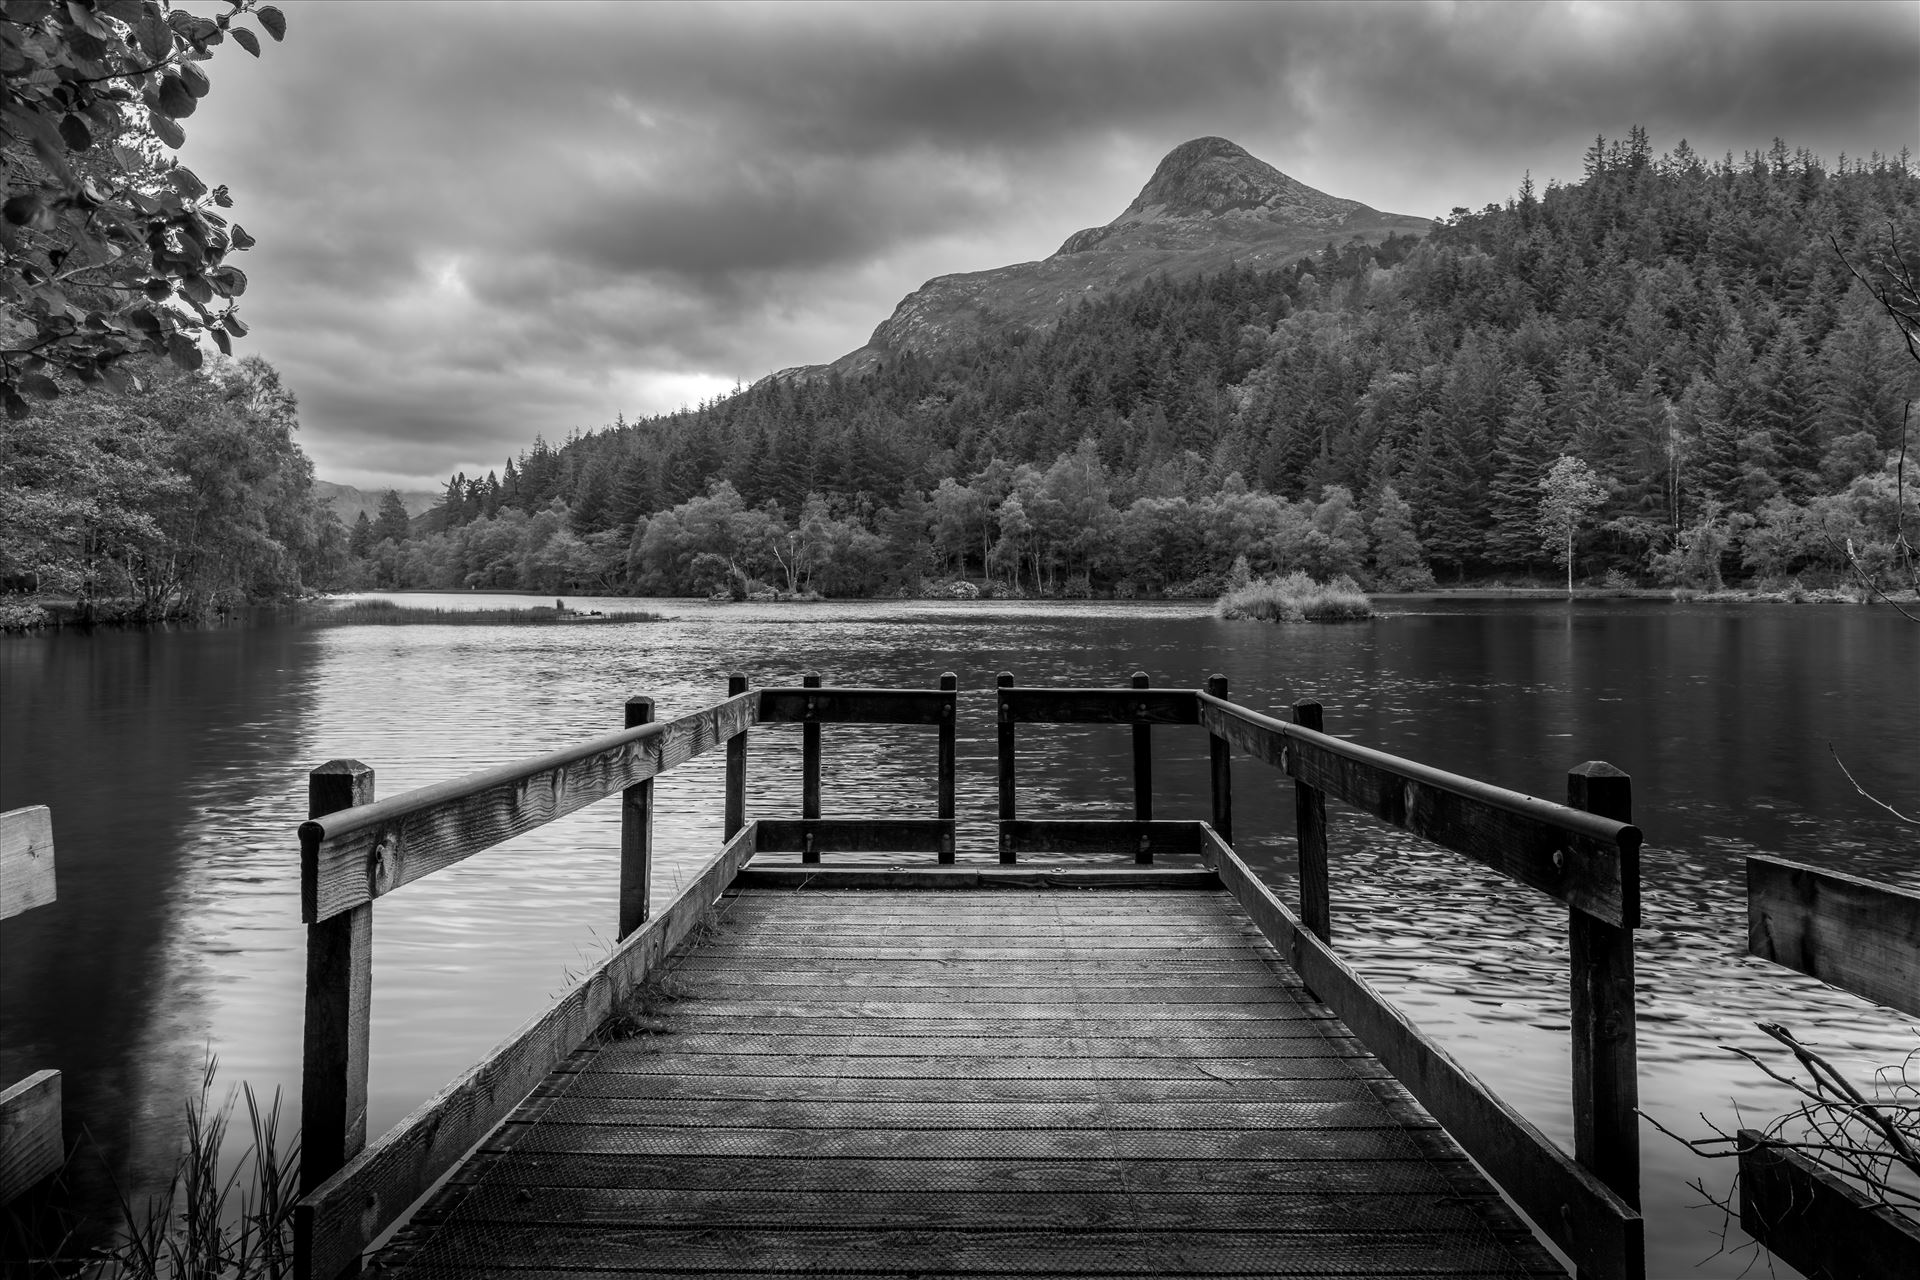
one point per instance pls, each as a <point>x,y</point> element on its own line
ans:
<point>1702,335</point>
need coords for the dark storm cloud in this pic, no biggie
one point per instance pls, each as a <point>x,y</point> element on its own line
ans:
<point>482,221</point>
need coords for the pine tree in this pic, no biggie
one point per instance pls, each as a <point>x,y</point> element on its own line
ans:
<point>634,493</point>
<point>1790,412</point>
<point>1526,444</point>
<point>1399,561</point>
<point>593,502</point>
<point>393,519</point>
<point>361,540</point>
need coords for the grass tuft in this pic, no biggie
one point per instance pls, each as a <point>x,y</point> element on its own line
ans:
<point>1296,598</point>
<point>389,613</point>
<point>198,1228</point>
<point>644,1011</point>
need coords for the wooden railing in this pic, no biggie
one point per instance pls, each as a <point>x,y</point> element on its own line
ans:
<point>812,706</point>
<point>30,1128</point>
<point>356,849</point>
<point>1860,936</point>
<point>1142,707</point>
<point>1583,853</point>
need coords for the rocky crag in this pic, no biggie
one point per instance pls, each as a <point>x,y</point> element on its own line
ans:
<point>1208,206</point>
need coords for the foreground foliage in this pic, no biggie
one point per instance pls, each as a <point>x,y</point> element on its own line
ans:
<point>218,1217</point>
<point>112,247</point>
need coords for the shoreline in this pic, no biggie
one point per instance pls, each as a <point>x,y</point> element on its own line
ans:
<point>27,613</point>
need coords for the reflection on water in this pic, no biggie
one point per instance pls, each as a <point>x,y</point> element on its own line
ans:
<point>175,764</point>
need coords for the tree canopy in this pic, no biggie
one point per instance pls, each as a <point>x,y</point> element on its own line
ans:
<point>113,248</point>
<point>1688,330</point>
<point>181,497</point>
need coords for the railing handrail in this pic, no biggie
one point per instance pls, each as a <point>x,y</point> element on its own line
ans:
<point>356,848</point>
<point>853,704</point>
<point>1595,868</point>
<point>348,822</point>
<point>1584,853</point>
<point>355,855</point>
<point>1575,822</point>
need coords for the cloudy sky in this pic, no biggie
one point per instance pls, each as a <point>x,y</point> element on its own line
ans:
<point>484,221</point>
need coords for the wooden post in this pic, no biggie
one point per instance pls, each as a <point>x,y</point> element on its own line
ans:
<point>1606,1087</point>
<point>809,772</point>
<point>1005,681</point>
<point>1310,825</point>
<point>636,834</point>
<point>949,683</point>
<point>333,1064</point>
<point>1222,770</point>
<point>1143,772</point>
<point>736,767</point>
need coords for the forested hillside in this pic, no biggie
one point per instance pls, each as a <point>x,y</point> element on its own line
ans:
<point>1690,330</point>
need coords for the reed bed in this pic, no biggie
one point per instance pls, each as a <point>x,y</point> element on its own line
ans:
<point>388,613</point>
<point>1296,598</point>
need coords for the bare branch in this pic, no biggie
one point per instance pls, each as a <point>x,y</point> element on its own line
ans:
<point>1868,794</point>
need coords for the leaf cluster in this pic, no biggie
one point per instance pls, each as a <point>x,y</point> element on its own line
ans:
<point>112,247</point>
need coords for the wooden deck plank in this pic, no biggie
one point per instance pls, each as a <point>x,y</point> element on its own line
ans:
<point>597,1084</point>
<point>1109,951</point>
<point>966,1144</point>
<point>430,1272</point>
<point>670,1251</point>
<point>873,1042</point>
<point>877,1115</point>
<point>1303,1209</point>
<point>758,1174</point>
<point>860,1009</point>
<point>1101,1081</point>
<point>934,1063</point>
<point>962,1023</point>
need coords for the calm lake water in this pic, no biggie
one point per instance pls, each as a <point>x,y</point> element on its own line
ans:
<point>175,763</point>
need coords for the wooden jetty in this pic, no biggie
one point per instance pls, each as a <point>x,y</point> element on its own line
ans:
<point>924,1067</point>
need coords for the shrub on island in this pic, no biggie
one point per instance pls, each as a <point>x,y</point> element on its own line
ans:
<point>1296,598</point>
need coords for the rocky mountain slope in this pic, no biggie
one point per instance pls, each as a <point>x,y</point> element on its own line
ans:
<point>1208,206</point>
<point>348,502</point>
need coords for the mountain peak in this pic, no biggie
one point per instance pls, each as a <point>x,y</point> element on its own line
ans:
<point>1208,176</point>
<point>1214,189</point>
<point>1208,207</point>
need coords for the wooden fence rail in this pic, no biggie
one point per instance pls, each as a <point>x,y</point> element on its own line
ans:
<point>1856,934</point>
<point>812,705</point>
<point>1584,853</point>
<point>1139,705</point>
<point>356,848</point>
<point>1864,937</point>
<point>31,1139</point>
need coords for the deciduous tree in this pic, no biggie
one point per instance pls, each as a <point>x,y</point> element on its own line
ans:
<point>1570,494</point>
<point>112,247</point>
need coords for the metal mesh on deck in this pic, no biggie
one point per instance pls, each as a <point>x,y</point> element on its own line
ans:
<point>1038,1083</point>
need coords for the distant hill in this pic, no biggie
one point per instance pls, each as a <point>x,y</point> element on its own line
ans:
<point>1208,206</point>
<point>348,502</point>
